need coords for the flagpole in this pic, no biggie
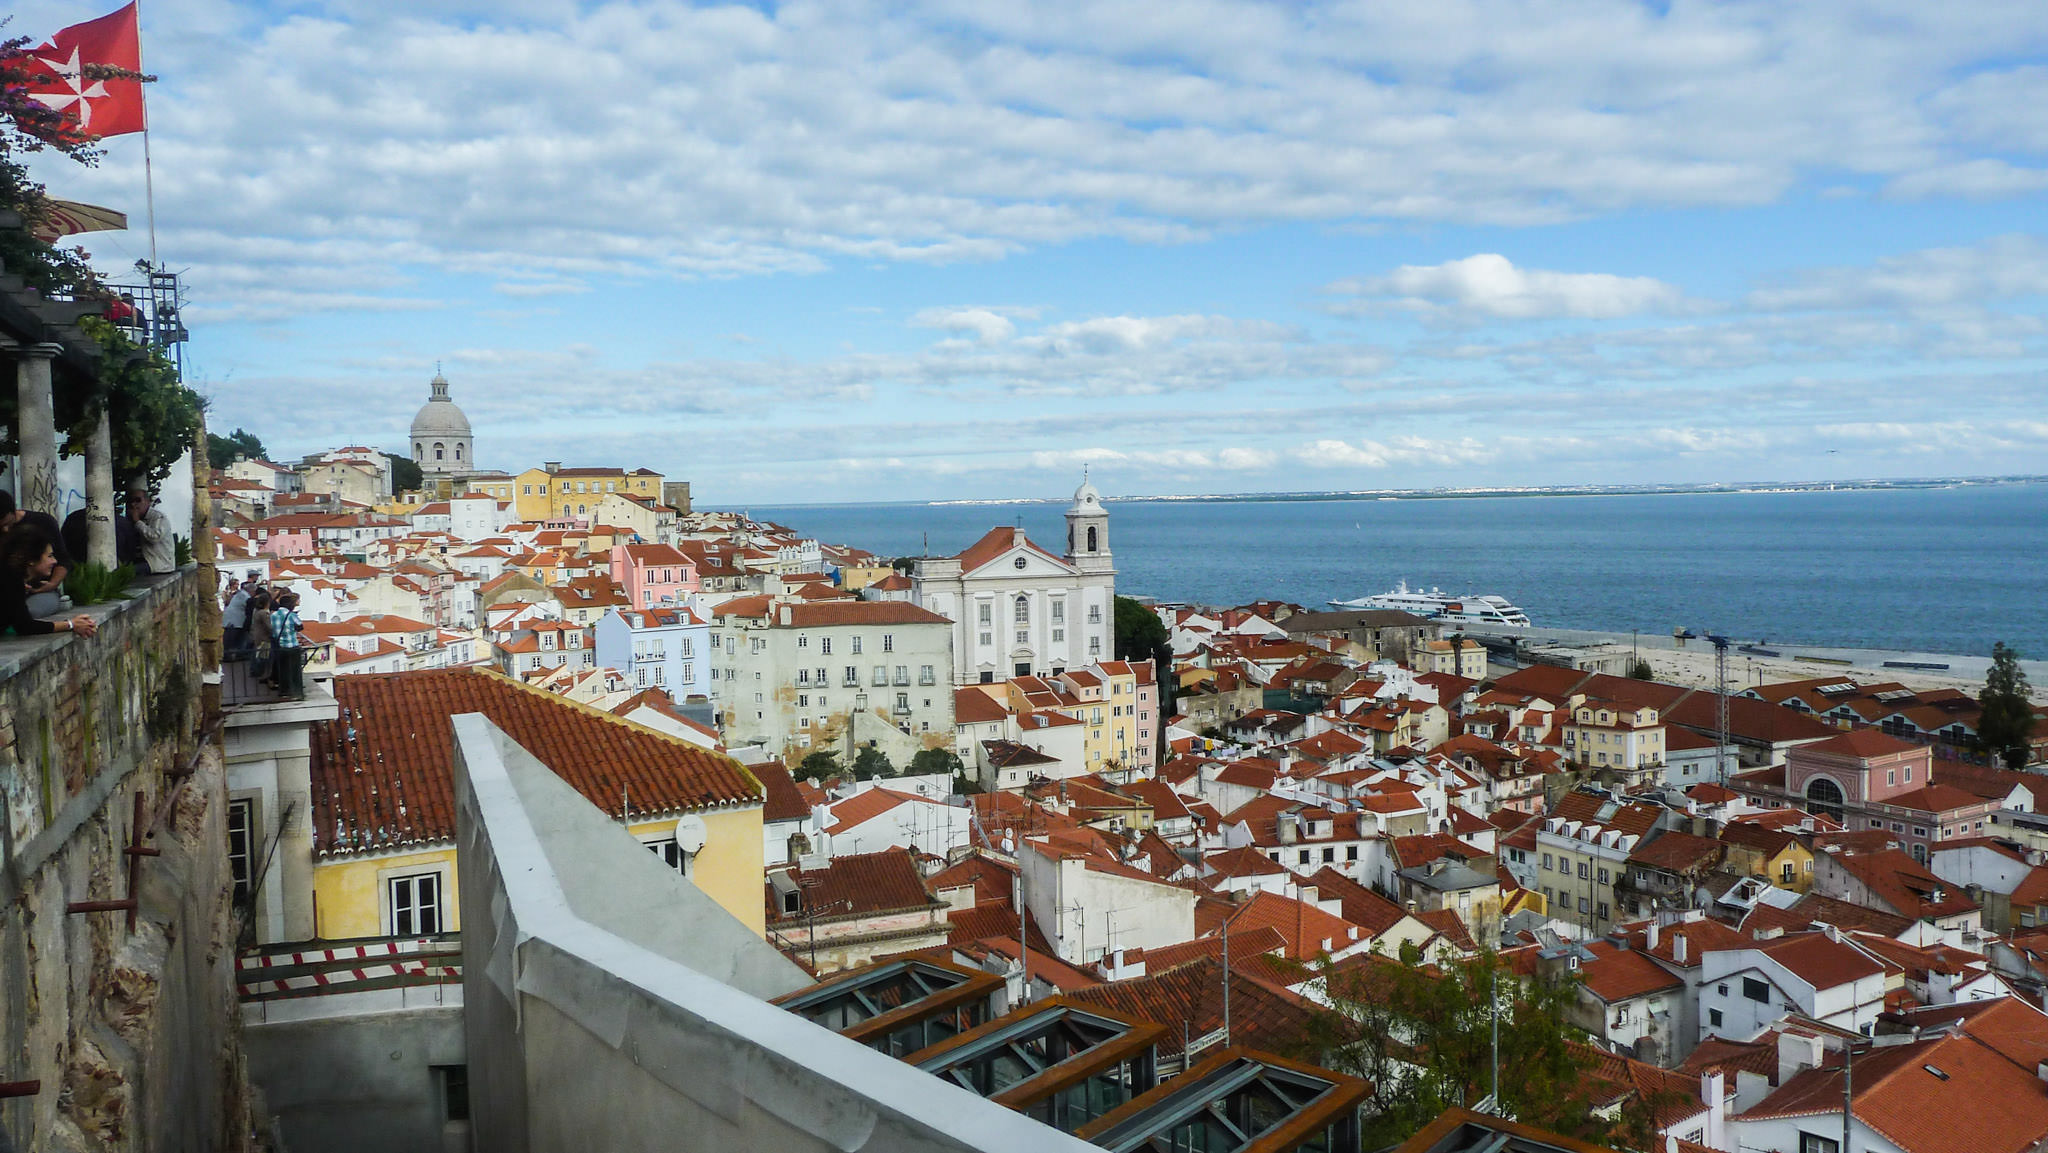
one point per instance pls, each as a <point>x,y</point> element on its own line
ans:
<point>148,170</point>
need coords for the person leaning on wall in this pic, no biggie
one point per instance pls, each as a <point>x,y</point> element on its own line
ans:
<point>28,554</point>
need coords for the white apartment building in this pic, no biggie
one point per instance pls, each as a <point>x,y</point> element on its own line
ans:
<point>839,674</point>
<point>1018,610</point>
<point>667,649</point>
<point>1817,974</point>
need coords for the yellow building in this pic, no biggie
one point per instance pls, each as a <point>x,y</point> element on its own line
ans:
<point>1107,696</point>
<point>1775,854</point>
<point>553,492</point>
<point>383,799</point>
<point>1610,734</point>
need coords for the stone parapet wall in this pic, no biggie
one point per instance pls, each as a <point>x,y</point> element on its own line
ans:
<point>131,1032</point>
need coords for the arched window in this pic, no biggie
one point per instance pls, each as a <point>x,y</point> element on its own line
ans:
<point>1022,612</point>
<point>1092,546</point>
<point>440,453</point>
<point>458,452</point>
<point>419,451</point>
<point>1824,798</point>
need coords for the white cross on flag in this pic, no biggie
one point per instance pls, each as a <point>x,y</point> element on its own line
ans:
<point>99,107</point>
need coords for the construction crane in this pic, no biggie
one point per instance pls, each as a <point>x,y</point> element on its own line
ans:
<point>1720,644</point>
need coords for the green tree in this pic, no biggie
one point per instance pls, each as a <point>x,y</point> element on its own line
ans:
<point>151,416</point>
<point>818,766</point>
<point>221,451</point>
<point>1642,671</point>
<point>1140,634</point>
<point>405,473</point>
<point>1425,1040</point>
<point>872,762</point>
<point>2005,729</point>
<point>931,761</point>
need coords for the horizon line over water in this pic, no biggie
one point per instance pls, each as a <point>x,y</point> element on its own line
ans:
<point>1934,569</point>
<point>1479,492</point>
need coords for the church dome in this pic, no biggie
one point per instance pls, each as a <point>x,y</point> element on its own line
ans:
<point>1086,497</point>
<point>439,414</point>
<point>439,417</point>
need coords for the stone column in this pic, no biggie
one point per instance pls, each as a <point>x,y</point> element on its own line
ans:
<point>99,495</point>
<point>35,427</point>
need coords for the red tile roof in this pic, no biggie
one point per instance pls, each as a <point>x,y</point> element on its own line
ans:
<point>1950,1095</point>
<point>1616,974</point>
<point>974,707</point>
<point>382,774</point>
<point>1819,960</point>
<point>856,885</point>
<point>1261,1015</point>
<point>827,614</point>
<point>782,801</point>
<point>1864,743</point>
<point>995,543</point>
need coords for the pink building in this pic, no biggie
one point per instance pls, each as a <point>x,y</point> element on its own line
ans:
<point>653,574</point>
<point>289,535</point>
<point>1868,780</point>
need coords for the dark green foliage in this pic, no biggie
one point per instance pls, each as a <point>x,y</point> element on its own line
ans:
<point>406,475</point>
<point>1641,670</point>
<point>1140,634</point>
<point>152,416</point>
<point>904,564</point>
<point>181,550</point>
<point>872,762</point>
<point>1424,1040</point>
<point>221,451</point>
<point>2007,724</point>
<point>93,584</point>
<point>818,766</point>
<point>928,761</point>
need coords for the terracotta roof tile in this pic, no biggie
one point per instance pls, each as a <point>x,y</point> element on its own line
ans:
<point>827,614</point>
<point>782,801</point>
<point>1900,1094</point>
<point>856,885</point>
<point>1261,1015</point>
<point>382,774</point>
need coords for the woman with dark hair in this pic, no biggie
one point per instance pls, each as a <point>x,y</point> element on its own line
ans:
<point>28,556</point>
<point>259,637</point>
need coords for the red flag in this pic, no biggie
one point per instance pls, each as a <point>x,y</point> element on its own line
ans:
<point>97,107</point>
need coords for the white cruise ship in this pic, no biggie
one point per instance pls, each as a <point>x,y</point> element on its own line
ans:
<point>1439,605</point>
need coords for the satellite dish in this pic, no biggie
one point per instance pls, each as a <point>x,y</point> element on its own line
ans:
<point>690,834</point>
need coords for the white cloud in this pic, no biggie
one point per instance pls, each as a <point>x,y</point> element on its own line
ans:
<point>987,326</point>
<point>661,138</point>
<point>1406,450</point>
<point>1998,269</point>
<point>1489,285</point>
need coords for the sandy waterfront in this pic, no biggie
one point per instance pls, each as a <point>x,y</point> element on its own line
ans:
<point>1692,662</point>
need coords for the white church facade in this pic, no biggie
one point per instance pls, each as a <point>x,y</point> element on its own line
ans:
<point>1019,610</point>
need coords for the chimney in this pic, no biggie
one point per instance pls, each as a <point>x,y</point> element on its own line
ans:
<point>1650,938</point>
<point>1796,1052</point>
<point>1678,949</point>
<point>1307,893</point>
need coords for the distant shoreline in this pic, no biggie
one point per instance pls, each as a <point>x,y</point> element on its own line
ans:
<point>1725,489</point>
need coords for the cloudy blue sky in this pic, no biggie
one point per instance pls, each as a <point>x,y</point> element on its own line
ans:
<point>852,251</point>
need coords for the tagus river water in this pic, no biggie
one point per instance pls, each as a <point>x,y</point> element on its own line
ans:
<point>1941,570</point>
